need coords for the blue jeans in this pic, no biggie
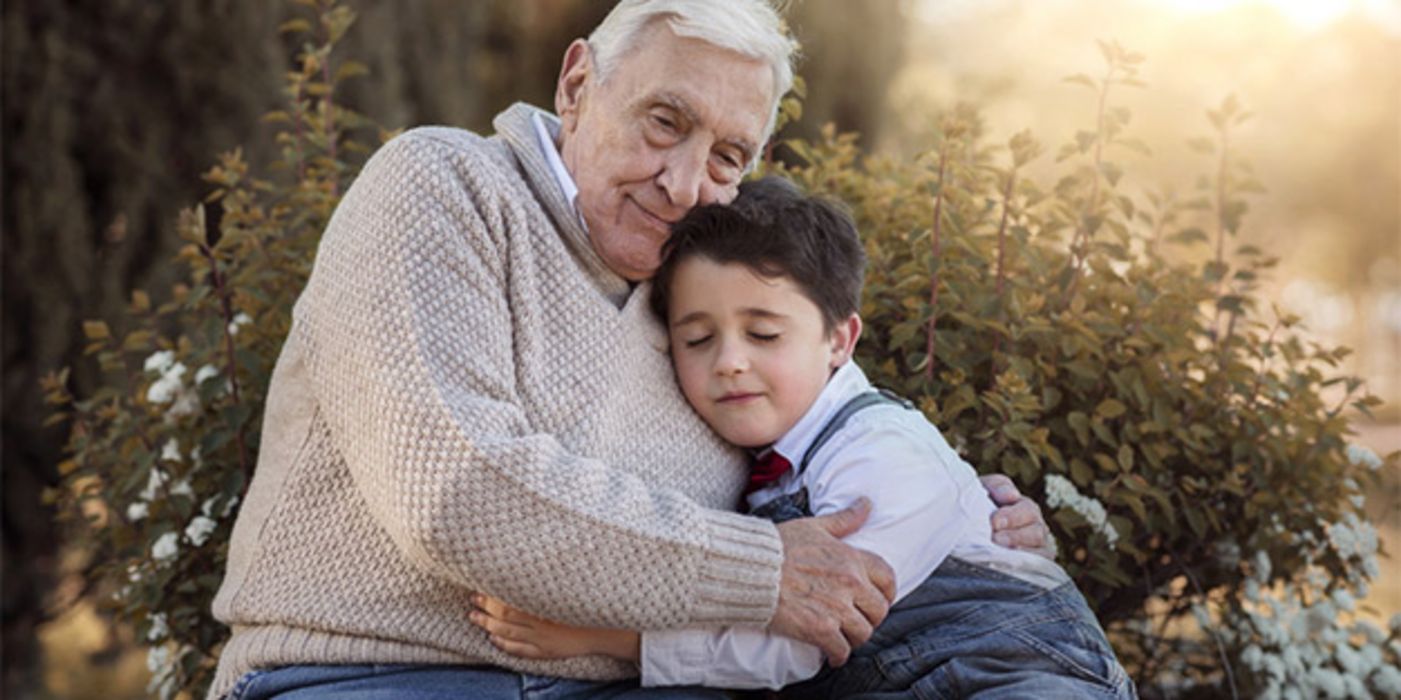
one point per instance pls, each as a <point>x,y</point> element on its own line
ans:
<point>404,682</point>
<point>969,631</point>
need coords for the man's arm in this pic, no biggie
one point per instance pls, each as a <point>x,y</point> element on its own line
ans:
<point>407,336</point>
<point>408,341</point>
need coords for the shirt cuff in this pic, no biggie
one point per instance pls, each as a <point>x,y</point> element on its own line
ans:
<point>673,657</point>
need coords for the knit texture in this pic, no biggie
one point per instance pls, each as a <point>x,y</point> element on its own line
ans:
<point>469,400</point>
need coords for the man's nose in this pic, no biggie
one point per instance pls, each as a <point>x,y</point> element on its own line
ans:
<point>683,177</point>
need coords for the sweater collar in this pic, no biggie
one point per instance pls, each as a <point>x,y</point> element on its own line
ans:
<point>516,126</point>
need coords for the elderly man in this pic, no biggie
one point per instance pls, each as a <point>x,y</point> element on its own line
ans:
<point>474,397</point>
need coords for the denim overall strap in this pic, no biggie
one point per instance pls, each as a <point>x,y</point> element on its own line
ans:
<point>795,505</point>
<point>853,406</point>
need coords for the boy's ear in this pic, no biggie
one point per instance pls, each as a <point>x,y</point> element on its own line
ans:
<point>844,336</point>
<point>574,74</point>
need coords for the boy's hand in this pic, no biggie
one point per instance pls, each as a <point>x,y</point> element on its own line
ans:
<point>1017,523</point>
<point>524,635</point>
<point>831,595</point>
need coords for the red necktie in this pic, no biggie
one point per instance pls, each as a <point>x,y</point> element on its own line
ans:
<point>766,470</point>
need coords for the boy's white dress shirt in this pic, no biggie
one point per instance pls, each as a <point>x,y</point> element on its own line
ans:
<point>927,504</point>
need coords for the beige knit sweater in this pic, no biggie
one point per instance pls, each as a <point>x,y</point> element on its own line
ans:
<point>470,401</point>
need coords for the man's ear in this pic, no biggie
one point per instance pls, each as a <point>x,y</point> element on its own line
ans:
<point>574,74</point>
<point>844,336</point>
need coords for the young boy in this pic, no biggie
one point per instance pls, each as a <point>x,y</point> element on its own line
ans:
<point>760,301</point>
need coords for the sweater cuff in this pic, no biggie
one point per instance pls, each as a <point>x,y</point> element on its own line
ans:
<point>740,574</point>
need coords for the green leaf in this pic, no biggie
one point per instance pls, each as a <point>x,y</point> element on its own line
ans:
<point>297,25</point>
<point>1110,408</point>
<point>1080,423</point>
<point>1106,463</point>
<point>1126,458</point>
<point>96,330</point>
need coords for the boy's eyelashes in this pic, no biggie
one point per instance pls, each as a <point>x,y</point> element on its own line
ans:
<point>756,336</point>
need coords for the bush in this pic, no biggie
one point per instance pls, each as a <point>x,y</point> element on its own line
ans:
<point>160,455</point>
<point>1181,441</point>
<point>1191,449</point>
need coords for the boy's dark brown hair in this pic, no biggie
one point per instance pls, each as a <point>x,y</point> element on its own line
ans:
<point>777,231</point>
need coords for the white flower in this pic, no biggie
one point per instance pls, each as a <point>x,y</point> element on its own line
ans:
<point>159,628</point>
<point>1349,659</point>
<point>154,482</point>
<point>1253,657</point>
<point>242,319</point>
<point>1330,682</point>
<point>207,508</point>
<point>1387,680</point>
<point>1343,599</point>
<point>171,451</point>
<point>157,659</point>
<point>160,361</point>
<point>199,530</point>
<point>165,388</point>
<point>182,488</point>
<point>185,405</point>
<point>1263,566</point>
<point>206,372</point>
<point>167,546</point>
<point>1060,492</point>
<point>1369,632</point>
<point>1363,457</point>
<point>136,511</point>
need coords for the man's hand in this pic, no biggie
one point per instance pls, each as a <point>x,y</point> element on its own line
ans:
<point>832,595</point>
<point>1017,523</point>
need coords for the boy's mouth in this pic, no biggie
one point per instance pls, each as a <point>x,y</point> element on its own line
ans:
<point>738,397</point>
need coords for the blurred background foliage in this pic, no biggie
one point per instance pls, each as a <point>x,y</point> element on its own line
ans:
<point>112,109</point>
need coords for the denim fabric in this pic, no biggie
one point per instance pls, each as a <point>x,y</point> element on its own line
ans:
<point>789,506</point>
<point>403,682</point>
<point>971,632</point>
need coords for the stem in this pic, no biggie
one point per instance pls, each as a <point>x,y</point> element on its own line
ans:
<point>1081,241</point>
<point>1002,232</point>
<point>297,108</point>
<point>937,245</point>
<point>1002,263</point>
<point>329,113</point>
<point>1221,170</point>
<point>1220,646</point>
<point>231,366</point>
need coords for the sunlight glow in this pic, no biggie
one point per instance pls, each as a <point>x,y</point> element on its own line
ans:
<point>1305,14</point>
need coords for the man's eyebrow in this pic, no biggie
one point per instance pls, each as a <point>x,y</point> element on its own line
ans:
<point>679,103</point>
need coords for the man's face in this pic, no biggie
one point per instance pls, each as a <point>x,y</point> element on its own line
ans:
<point>751,353</point>
<point>673,126</point>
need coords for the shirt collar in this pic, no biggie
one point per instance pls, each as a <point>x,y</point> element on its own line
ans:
<point>546,126</point>
<point>847,382</point>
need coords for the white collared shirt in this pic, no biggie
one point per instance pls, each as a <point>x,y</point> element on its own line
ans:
<point>927,504</point>
<point>547,146</point>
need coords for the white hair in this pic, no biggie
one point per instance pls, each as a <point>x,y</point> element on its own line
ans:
<point>748,27</point>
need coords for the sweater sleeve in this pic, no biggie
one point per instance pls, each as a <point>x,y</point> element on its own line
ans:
<point>406,326</point>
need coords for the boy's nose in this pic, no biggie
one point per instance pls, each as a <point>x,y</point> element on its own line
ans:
<point>731,360</point>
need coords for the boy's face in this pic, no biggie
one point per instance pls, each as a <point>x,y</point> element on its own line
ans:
<point>750,352</point>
